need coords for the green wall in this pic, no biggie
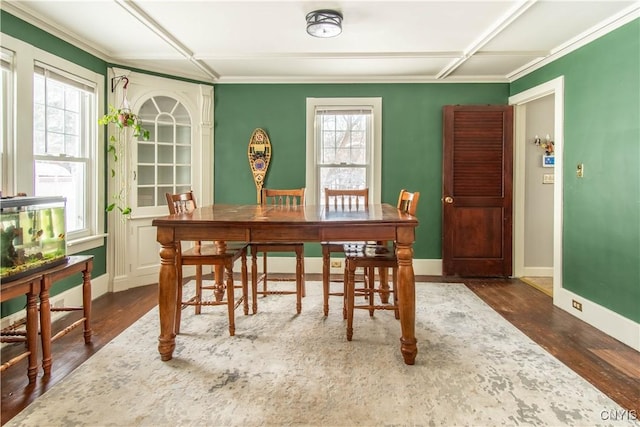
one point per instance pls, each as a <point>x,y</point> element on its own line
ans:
<point>28,33</point>
<point>601,212</point>
<point>411,140</point>
<point>601,232</point>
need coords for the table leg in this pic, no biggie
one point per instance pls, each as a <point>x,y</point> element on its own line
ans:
<point>86,300</point>
<point>45,324</point>
<point>167,293</point>
<point>32,333</point>
<point>406,295</point>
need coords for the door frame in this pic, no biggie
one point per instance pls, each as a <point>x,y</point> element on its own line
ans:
<point>553,87</point>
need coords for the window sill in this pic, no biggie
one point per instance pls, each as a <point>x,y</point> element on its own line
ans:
<point>85,243</point>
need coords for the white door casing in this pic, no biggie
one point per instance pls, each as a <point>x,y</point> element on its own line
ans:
<point>133,252</point>
<point>555,87</point>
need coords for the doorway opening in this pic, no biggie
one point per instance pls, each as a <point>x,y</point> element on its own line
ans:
<point>537,193</point>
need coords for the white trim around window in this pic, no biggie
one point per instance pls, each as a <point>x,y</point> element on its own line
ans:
<point>374,172</point>
<point>20,168</point>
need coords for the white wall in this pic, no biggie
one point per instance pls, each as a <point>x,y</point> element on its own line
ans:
<point>538,200</point>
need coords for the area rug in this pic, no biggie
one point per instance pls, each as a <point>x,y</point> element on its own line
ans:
<point>473,368</point>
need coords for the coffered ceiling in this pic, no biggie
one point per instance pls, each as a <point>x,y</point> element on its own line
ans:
<point>382,41</point>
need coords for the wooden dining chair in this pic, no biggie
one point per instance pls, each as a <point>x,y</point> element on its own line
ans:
<point>369,257</point>
<point>280,199</point>
<point>338,200</point>
<point>217,254</point>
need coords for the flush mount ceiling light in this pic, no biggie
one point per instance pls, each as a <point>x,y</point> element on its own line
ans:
<point>324,23</point>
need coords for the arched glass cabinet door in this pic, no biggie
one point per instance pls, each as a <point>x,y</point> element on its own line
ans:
<point>163,161</point>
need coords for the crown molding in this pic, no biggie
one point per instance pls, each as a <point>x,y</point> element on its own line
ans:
<point>22,11</point>
<point>594,33</point>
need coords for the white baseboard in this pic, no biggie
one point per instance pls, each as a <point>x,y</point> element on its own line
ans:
<point>124,283</point>
<point>609,322</point>
<point>537,271</point>
<point>425,267</point>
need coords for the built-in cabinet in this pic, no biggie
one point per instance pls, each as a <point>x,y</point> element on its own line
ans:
<point>178,156</point>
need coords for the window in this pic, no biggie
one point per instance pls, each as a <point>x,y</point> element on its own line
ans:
<point>63,129</point>
<point>51,139</point>
<point>6,114</point>
<point>164,161</point>
<point>343,145</point>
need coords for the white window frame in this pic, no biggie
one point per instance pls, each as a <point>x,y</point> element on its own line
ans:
<point>21,178</point>
<point>374,177</point>
<point>6,109</point>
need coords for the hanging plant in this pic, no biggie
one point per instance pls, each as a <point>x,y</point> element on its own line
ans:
<point>128,128</point>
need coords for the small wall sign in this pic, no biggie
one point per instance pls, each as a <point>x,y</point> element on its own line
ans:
<point>548,161</point>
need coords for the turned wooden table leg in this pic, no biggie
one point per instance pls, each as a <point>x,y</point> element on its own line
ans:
<point>86,300</point>
<point>167,293</point>
<point>32,333</point>
<point>406,295</point>
<point>45,325</point>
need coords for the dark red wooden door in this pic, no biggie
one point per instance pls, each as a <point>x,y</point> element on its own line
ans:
<point>477,175</point>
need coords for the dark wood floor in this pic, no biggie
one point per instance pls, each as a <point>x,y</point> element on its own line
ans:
<point>609,365</point>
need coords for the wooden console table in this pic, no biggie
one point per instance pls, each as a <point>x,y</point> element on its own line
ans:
<point>29,286</point>
<point>39,285</point>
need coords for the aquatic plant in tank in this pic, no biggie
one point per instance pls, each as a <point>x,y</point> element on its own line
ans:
<point>32,235</point>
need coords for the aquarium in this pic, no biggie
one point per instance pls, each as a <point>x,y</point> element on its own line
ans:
<point>32,233</point>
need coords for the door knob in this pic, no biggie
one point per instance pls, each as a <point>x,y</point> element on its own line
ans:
<point>448,199</point>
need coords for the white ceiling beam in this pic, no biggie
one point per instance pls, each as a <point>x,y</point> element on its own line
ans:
<point>134,10</point>
<point>485,38</point>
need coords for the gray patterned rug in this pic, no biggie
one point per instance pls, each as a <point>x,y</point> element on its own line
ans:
<point>473,368</point>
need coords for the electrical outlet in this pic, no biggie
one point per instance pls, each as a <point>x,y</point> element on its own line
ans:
<point>577,305</point>
<point>336,264</point>
<point>59,303</point>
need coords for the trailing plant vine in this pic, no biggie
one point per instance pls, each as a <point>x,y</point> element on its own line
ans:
<point>128,127</point>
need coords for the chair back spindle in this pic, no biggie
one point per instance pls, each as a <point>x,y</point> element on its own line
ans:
<point>181,203</point>
<point>338,199</point>
<point>284,198</point>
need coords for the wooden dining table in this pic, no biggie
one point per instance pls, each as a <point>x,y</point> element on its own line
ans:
<point>310,223</point>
